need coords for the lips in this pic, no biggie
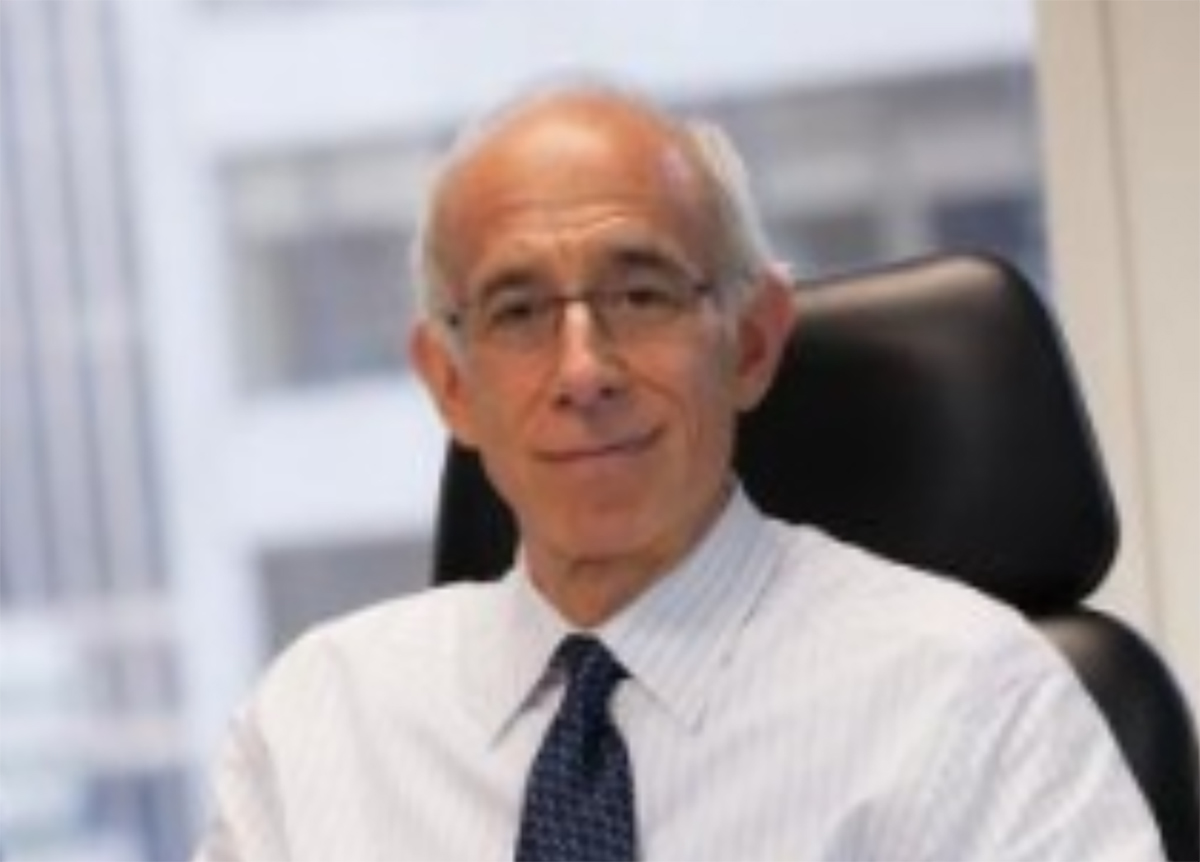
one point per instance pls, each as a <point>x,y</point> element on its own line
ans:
<point>625,446</point>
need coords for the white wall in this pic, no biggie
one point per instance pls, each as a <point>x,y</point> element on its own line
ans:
<point>1121,117</point>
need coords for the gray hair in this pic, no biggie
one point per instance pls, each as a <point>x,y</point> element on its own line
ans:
<point>744,253</point>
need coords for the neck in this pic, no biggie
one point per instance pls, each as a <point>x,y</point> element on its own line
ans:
<point>590,590</point>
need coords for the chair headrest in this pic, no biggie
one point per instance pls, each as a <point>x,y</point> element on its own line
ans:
<point>925,410</point>
<point>928,411</point>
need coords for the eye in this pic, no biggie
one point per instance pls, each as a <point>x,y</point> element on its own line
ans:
<point>649,295</point>
<point>515,312</point>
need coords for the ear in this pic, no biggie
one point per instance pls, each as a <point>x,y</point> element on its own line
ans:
<point>443,376</point>
<point>764,327</point>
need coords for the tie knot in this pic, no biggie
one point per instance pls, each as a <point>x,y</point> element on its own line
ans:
<point>593,671</point>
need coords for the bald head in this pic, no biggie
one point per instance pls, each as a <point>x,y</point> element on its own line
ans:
<point>557,148</point>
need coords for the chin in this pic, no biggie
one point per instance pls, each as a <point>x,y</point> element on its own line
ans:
<point>602,533</point>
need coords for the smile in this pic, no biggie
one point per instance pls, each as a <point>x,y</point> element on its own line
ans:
<point>628,446</point>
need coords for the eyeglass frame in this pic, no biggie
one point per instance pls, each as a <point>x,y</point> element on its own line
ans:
<point>600,302</point>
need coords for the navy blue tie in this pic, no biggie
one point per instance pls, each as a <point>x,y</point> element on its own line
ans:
<point>579,799</point>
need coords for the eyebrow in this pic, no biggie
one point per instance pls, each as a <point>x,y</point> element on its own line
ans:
<point>621,253</point>
<point>649,253</point>
<point>644,258</point>
<point>508,280</point>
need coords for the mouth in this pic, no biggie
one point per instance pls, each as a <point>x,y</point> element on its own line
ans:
<point>624,447</point>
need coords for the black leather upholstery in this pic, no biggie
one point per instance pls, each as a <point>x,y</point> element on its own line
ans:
<point>919,403</point>
<point>1148,715</point>
<point>928,411</point>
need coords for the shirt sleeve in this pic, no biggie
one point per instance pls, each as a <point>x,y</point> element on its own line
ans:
<point>1032,771</point>
<point>246,823</point>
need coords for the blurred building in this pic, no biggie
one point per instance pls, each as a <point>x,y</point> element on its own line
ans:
<point>210,438</point>
<point>92,746</point>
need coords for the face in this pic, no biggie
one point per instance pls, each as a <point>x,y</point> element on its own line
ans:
<point>605,449</point>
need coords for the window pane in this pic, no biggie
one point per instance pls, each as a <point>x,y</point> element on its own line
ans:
<point>302,586</point>
<point>1008,224</point>
<point>330,306</point>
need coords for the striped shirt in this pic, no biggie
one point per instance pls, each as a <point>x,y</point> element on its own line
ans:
<point>790,696</point>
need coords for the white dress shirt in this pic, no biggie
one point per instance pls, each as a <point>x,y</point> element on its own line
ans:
<point>790,697</point>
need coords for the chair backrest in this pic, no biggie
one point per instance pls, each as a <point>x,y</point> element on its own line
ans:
<point>928,411</point>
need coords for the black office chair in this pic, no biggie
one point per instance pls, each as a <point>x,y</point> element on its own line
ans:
<point>927,411</point>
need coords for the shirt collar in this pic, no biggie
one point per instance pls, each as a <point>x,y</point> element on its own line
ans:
<point>671,639</point>
<point>675,638</point>
<point>506,649</point>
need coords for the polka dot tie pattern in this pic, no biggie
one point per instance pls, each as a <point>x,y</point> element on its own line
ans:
<point>579,799</point>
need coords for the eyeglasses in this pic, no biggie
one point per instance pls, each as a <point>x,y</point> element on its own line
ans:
<point>629,310</point>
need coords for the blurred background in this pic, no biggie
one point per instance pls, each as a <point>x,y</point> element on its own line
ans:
<point>210,435</point>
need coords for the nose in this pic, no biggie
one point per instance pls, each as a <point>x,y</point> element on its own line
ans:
<point>589,371</point>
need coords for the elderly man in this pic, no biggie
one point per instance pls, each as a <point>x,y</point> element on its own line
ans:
<point>665,673</point>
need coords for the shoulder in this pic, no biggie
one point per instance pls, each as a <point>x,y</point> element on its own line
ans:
<point>859,600</point>
<point>933,655</point>
<point>978,708</point>
<point>414,637</point>
<point>844,576</point>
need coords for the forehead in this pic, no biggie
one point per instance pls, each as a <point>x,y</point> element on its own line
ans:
<point>592,178</point>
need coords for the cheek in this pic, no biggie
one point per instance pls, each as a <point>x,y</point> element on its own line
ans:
<point>497,436</point>
<point>501,410</point>
<point>707,403</point>
<point>492,419</point>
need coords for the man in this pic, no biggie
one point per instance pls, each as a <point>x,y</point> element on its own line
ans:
<point>600,306</point>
